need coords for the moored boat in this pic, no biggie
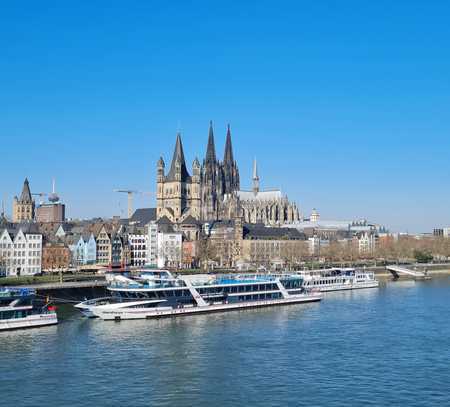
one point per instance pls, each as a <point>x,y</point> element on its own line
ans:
<point>20,309</point>
<point>336,279</point>
<point>158,294</point>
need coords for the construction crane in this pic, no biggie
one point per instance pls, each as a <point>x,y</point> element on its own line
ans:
<point>130,193</point>
<point>41,196</point>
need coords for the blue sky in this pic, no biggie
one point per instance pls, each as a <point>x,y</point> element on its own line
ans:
<point>345,104</point>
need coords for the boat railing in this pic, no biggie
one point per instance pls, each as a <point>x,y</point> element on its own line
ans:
<point>17,292</point>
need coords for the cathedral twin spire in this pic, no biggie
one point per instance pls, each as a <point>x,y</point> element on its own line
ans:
<point>179,162</point>
<point>228,155</point>
<point>215,179</point>
<point>210,149</point>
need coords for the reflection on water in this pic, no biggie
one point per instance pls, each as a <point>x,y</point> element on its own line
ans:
<point>363,347</point>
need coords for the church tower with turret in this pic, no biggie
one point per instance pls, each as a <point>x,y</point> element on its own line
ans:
<point>178,194</point>
<point>23,207</point>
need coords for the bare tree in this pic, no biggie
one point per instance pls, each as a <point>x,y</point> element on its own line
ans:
<point>207,252</point>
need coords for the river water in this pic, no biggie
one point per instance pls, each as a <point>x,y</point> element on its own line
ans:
<point>375,347</point>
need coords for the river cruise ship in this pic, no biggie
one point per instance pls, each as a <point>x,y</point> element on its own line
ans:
<point>158,293</point>
<point>19,308</point>
<point>335,279</point>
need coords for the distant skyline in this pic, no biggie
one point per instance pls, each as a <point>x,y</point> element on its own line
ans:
<point>345,105</point>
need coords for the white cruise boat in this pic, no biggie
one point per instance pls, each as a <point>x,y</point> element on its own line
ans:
<point>335,279</point>
<point>158,293</point>
<point>19,309</point>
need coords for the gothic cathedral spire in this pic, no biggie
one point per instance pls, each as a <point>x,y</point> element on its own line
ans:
<point>228,155</point>
<point>211,149</point>
<point>229,167</point>
<point>255,178</point>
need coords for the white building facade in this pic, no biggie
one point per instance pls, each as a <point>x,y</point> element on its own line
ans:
<point>170,249</point>
<point>151,258</point>
<point>20,253</point>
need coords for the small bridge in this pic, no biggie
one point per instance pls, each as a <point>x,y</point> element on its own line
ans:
<point>398,271</point>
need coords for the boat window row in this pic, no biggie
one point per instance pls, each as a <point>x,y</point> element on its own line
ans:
<point>12,314</point>
<point>155,294</point>
<point>326,282</point>
<point>259,297</point>
<point>235,289</point>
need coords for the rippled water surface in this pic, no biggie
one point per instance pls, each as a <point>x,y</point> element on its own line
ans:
<point>382,347</point>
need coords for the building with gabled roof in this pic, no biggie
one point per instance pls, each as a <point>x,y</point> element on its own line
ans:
<point>20,250</point>
<point>23,207</point>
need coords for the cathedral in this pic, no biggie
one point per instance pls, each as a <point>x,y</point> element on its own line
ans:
<point>213,191</point>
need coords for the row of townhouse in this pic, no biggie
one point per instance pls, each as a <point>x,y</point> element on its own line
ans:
<point>20,250</point>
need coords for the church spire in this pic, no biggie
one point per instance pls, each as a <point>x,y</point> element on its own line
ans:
<point>255,177</point>
<point>25,197</point>
<point>228,156</point>
<point>211,149</point>
<point>178,161</point>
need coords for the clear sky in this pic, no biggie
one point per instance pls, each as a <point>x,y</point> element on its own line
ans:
<point>345,104</point>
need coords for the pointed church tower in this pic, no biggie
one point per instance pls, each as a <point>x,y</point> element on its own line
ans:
<point>230,170</point>
<point>211,180</point>
<point>255,178</point>
<point>25,197</point>
<point>211,148</point>
<point>178,170</point>
<point>228,155</point>
<point>23,208</point>
<point>174,190</point>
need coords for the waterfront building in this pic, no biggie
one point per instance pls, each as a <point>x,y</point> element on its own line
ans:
<point>56,256</point>
<point>23,207</point>
<point>120,254</point>
<point>189,248</point>
<point>170,249</point>
<point>138,249</point>
<point>84,250</point>
<point>367,242</point>
<point>151,258</point>
<point>272,246</point>
<point>104,247</point>
<point>231,242</point>
<point>20,250</point>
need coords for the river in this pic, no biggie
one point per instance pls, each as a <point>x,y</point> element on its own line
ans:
<point>375,347</point>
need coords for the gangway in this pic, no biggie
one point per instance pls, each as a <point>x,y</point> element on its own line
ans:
<point>398,271</point>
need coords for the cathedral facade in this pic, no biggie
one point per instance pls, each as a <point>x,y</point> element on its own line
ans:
<point>213,191</point>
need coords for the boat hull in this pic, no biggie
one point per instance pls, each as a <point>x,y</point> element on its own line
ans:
<point>147,313</point>
<point>31,321</point>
